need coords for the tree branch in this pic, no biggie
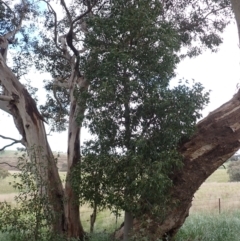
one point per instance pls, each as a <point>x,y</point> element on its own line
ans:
<point>4,40</point>
<point>55,23</point>
<point>2,163</point>
<point>6,98</point>
<point>9,138</point>
<point>67,12</point>
<point>13,143</point>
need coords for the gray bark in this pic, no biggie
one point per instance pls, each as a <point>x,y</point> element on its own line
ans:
<point>128,225</point>
<point>236,10</point>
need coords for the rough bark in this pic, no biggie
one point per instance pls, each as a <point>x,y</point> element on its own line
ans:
<point>216,139</point>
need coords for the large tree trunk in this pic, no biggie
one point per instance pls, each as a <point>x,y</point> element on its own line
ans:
<point>30,124</point>
<point>217,138</point>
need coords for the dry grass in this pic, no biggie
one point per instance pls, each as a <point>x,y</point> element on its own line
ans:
<point>207,197</point>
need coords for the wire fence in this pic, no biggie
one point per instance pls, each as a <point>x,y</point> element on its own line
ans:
<point>106,219</point>
<point>221,204</point>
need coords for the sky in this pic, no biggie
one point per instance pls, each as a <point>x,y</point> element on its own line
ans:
<point>218,72</point>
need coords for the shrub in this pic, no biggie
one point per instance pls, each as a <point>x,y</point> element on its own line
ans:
<point>3,173</point>
<point>234,171</point>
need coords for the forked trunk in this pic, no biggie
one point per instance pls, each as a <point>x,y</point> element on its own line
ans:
<point>217,138</point>
<point>29,123</point>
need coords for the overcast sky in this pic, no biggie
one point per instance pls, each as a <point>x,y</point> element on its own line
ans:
<point>218,72</point>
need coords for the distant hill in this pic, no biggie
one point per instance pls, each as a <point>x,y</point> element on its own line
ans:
<point>11,157</point>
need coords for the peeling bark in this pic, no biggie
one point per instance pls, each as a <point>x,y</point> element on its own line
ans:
<point>29,123</point>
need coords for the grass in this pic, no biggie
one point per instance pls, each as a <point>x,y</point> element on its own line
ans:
<point>204,222</point>
<point>209,227</point>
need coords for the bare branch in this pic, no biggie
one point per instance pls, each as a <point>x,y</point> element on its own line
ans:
<point>2,163</point>
<point>70,35</point>
<point>90,7</point>
<point>9,138</point>
<point>55,23</point>
<point>67,11</point>
<point>13,143</point>
<point>6,98</point>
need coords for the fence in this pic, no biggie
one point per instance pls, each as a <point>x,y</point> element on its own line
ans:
<point>216,204</point>
<point>106,219</point>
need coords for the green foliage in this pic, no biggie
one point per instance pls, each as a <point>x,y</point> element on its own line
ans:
<point>32,217</point>
<point>234,171</point>
<point>135,118</point>
<point>4,173</point>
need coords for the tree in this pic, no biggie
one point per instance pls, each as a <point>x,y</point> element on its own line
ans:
<point>234,171</point>
<point>136,119</point>
<point>58,49</point>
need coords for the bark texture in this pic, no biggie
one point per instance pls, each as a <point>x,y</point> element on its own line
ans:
<point>216,139</point>
<point>75,228</point>
<point>29,123</point>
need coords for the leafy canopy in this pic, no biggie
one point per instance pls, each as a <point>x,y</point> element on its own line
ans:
<point>135,118</point>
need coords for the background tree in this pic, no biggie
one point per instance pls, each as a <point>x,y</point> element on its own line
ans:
<point>4,173</point>
<point>234,171</point>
